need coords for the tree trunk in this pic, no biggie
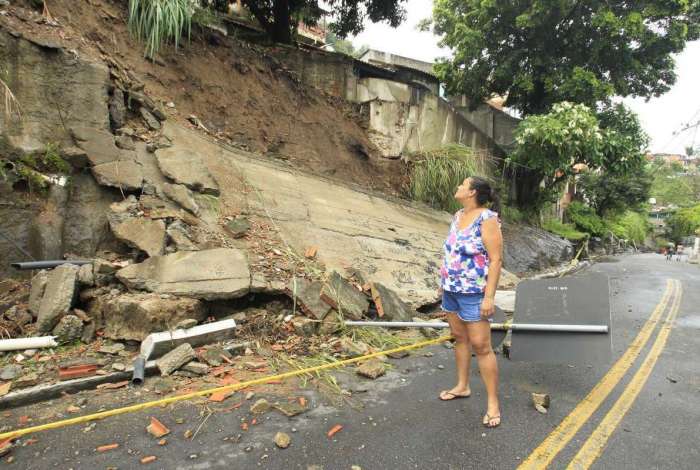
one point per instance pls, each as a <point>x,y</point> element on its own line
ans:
<point>281,30</point>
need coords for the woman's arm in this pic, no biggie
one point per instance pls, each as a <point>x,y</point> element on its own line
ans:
<point>493,242</point>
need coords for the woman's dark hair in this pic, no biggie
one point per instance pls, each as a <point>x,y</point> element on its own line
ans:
<point>485,193</point>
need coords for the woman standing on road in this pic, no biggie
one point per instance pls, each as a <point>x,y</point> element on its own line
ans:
<point>469,276</point>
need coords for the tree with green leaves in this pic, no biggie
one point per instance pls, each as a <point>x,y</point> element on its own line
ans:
<point>281,17</point>
<point>541,52</point>
<point>684,222</point>
<point>609,146</point>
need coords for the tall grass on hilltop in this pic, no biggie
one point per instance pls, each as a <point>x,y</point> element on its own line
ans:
<point>156,21</point>
<point>436,175</point>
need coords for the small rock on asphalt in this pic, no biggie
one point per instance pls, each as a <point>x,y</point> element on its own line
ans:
<point>260,406</point>
<point>371,369</point>
<point>541,399</point>
<point>282,440</point>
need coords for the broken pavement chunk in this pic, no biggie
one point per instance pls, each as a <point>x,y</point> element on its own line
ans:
<point>196,368</point>
<point>540,399</point>
<point>58,297</point>
<point>175,359</point>
<point>344,298</point>
<point>139,232</point>
<point>308,296</point>
<point>290,409</point>
<point>186,167</point>
<point>371,369</point>
<point>389,304</point>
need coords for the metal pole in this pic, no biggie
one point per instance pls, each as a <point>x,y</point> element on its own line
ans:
<point>48,264</point>
<point>494,326</point>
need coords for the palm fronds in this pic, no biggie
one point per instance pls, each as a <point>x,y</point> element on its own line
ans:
<point>157,21</point>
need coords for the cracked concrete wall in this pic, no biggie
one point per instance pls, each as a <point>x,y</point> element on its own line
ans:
<point>403,120</point>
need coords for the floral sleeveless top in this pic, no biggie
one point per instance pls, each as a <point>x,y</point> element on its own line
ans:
<point>465,267</point>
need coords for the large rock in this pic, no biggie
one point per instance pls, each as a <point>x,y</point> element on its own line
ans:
<point>220,273</point>
<point>68,329</point>
<point>179,235</point>
<point>36,293</point>
<point>142,233</point>
<point>187,167</point>
<point>389,304</point>
<point>58,297</point>
<point>99,145</point>
<point>344,298</point>
<point>181,195</point>
<point>126,174</point>
<point>135,316</point>
<point>175,359</point>
<point>308,296</point>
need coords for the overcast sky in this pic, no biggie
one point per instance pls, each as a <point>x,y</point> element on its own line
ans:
<point>661,117</point>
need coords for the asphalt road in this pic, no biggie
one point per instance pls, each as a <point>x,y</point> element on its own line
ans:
<point>648,420</point>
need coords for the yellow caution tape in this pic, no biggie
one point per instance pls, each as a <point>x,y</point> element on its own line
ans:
<point>227,388</point>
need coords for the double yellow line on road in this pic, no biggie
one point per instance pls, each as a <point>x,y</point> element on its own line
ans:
<point>543,455</point>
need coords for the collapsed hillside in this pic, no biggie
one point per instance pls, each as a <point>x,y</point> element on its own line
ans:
<point>239,92</point>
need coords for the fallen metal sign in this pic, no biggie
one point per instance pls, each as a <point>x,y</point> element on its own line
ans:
<point>583,301</point>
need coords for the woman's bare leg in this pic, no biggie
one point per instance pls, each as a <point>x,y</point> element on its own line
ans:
<point>462,357</point>
<point>480,340</point>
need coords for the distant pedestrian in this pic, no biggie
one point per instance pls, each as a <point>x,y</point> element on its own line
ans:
<point>669,254</point>
<point>468,277</point>
<point>679,253</point>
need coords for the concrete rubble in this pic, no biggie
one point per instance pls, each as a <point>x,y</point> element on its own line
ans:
<point>175,359</point>
<point>58,297</point>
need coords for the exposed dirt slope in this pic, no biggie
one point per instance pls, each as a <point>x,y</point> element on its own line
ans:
<point>238,90</point>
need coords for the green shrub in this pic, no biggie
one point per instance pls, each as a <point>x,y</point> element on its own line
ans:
<point>436,175</point>
<point>586,220</point>
<point>567,231</point>
<point>156,21</point>
<point>630,226</point>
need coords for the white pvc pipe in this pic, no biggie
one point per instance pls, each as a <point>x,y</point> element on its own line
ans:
<point>494,326</point>
<point>18,344</point>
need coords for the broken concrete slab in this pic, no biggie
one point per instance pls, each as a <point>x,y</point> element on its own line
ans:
<point>389,305</point>
<point>185,166</point>
<point>68,329</point>
<point>344,298</point>
<point>141,233</point>
<point>371,369</point>
<point>36,293</point>
<point>180,194</point>
<point>98,144</point>
<point>133,316</point>
<point>220,273</point>
<point>180,236</point>
<point>260,283</point>
<point>126,175</point>
<point>58,297</point>
<point>196,368</point>
<point>175,359</point>
<point>308,297</point>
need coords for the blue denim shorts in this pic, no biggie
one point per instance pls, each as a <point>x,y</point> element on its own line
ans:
<point>466,306</point>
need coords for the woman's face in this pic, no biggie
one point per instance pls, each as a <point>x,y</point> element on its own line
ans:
<point>464,190</point>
